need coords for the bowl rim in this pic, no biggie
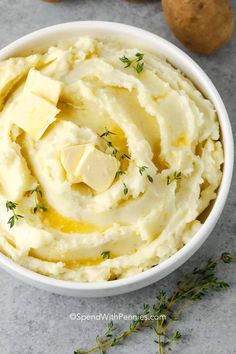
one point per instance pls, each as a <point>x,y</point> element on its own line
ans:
<point>155,273</point>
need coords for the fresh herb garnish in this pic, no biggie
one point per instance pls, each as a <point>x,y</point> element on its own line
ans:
<point>105,254</point>
<point>126,190</point>
<point>11,206</point>
<point>120,173</point>
<point>114,150</point>
<point>139,67</point>
<point>38,196</point>
<point>142,170</point>
<point>159,317</point>
<point>39,207</point>
<point>38,191</point>
<point>135,63</point>
<point>139,56</point>
<point>126,61</point>
<point>107,133</point>
<point>150,178</point>
<point>109,143</point>
<point>124,156</point>
<point>175,177</point>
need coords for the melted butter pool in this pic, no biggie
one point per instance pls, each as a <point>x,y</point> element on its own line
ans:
<point>51,218</point>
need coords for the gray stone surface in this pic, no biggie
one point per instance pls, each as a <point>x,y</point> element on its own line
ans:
<point>36,322</point>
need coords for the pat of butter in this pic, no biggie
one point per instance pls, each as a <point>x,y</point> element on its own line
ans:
<point>85,163</point>
<point>70,157</point>
<point>43,86</point>
<point>34,114</point>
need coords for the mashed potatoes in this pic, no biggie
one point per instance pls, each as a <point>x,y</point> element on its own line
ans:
<point>133,109</point>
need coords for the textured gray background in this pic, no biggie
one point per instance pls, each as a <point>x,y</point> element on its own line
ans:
<point>36,322</point>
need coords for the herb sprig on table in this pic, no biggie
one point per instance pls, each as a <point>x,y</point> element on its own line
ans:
<point>167,309</point>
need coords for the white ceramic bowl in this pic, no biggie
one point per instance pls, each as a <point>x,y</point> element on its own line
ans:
<point>40,40</point>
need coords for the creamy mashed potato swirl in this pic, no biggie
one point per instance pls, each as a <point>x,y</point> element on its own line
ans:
<point>159,120</point>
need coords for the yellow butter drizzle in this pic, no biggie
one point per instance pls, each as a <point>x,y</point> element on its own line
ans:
<point>75,264</point>
<point>51,218</point>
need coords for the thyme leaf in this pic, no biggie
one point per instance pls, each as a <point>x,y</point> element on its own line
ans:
<point>139,56</point>
<point>126,61</point>
<point>115,152</point>
<point>120,173</point>
<point>139,67</point>
<point>109,144</point>
<point>126,190</point>
<point>150,178</point>
<point>142,170</point>
<point>39,207</point>
<point>124,156</point>
<point>175,177</point>
<point>105,254</point>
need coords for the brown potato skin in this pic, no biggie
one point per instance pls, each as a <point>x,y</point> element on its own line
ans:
<point>203,26</point>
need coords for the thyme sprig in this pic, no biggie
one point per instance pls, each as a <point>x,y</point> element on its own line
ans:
<point>107,133</point>
<point>11,206</point>
<point>192,287</point>
<point>115,151</point>
<point>175,177</point>
<point>38,196</point>
<point>143,170</point>
<point>137,63</point>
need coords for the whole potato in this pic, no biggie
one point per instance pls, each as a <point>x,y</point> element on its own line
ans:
<point>201,25</point>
